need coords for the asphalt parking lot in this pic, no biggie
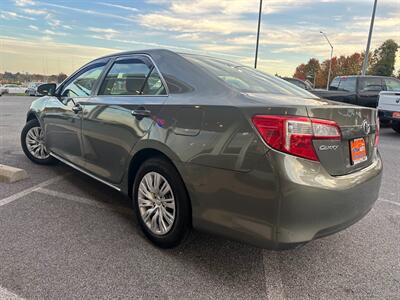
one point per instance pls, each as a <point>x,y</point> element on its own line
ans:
<point>64,235</point>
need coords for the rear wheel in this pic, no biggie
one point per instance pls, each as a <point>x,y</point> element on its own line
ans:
<point>32,142</point>
<point>161,203</point>
<point>396,126</point>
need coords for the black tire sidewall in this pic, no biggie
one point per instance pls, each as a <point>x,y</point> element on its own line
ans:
<point>396,126</point>
<point>30,124</point>
<point>182,222</point>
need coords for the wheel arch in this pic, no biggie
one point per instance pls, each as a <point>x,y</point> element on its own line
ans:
<point>139,158</point>
<point>31,116</point>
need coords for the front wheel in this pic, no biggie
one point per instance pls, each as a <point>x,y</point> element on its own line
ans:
<point>32,142</point>
<point>161,203</point>
<point>396,126</point>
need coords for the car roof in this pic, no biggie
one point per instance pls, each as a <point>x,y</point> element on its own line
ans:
<point>150,52</point>
<point>292,78</point>
<point>173,66</point>
<point>362,76</point>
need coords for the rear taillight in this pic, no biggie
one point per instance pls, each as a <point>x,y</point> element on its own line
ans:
<point>377,133</point>
<point>295,135</point>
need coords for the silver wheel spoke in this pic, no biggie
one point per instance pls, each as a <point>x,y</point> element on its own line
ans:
<point>156,183</point>
<point>148,213</point>
<point>156,211</point>
<point>153,223</point>
<point>148,182</point>
<point>170,203</point>
<point>145,203</point>
<point>162,222</point>
<point>143,189</point>
<point>168,217</point>
<point>164,188</point>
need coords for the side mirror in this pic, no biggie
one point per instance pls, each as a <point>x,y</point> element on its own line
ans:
<point>48,89</point>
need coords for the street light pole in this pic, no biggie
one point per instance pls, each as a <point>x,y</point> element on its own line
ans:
<point>371,28</point>
<point>258,35</point>
<point>330,61</point>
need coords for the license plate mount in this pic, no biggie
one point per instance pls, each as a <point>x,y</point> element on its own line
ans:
<point>358,151</point>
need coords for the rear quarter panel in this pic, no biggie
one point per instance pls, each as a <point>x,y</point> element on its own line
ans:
<point>223,163</point>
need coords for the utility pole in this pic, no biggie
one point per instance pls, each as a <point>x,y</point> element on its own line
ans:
<point>371,28</point>
<point>330,61</point>
<point>258,35</point>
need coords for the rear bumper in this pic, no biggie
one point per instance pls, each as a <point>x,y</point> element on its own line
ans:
<point>386,115</point>
<point>314,204</point>
<point>283,202</point>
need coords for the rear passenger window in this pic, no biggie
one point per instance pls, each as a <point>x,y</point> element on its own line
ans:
<point>347,84</point>
<point>133,76</point>
<point>368,84</point>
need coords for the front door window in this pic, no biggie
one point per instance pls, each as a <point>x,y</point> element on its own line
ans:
<point>83,84</point>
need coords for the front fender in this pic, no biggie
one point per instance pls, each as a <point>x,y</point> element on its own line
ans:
<point>36,110</point>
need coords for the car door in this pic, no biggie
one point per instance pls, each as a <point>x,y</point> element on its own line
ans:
<point>368,91</point>
<point>347,85</point>
<point>62,116</point>
<point>129,98</point>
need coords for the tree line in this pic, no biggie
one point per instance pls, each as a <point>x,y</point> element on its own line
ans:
<point>20,78</point>
<point>381,62</point>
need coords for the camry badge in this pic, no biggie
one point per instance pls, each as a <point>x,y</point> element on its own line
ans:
<point>328,147</point>
<point>366,127</point>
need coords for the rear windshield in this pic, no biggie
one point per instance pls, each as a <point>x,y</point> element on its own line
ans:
<point>245,79</point>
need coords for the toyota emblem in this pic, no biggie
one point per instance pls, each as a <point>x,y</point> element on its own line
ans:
<point>366,127</point>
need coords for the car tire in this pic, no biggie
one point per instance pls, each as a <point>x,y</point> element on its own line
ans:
<point>396,126</point>
<point>165,222</point>
<point>32,139</point>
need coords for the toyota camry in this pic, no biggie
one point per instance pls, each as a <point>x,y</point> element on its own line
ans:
<point>201,142</point>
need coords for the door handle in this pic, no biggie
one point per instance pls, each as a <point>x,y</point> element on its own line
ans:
<point>141,113</point>
<point>77,108</point>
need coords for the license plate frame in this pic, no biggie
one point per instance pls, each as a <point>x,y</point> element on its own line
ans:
<point>358,151</point>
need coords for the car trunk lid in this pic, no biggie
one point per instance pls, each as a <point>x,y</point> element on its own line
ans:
<point>358,127</point>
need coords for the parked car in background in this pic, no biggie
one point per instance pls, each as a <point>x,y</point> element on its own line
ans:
<point>32,89</point>
<point>359,90</point>
<point>389,108</point>
<point>305,85</point>
<point>205,142</point>
<point>12,89</point>
<point>3,90</point>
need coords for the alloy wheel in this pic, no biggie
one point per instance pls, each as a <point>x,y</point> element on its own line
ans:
<point>35,143</point>
<point>156,203</point>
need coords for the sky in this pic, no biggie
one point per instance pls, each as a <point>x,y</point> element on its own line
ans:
<point>53,36</point>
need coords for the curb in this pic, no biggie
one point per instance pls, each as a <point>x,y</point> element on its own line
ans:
<point>10,174</point>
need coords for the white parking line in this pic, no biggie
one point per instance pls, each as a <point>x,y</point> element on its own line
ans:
<point>389,201</point>
<point>5,294</point>
<point>84,200</point>
<point>30,190</point>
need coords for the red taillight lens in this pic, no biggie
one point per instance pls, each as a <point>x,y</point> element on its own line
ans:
<point>295,135</point>
<point>377,133</point>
